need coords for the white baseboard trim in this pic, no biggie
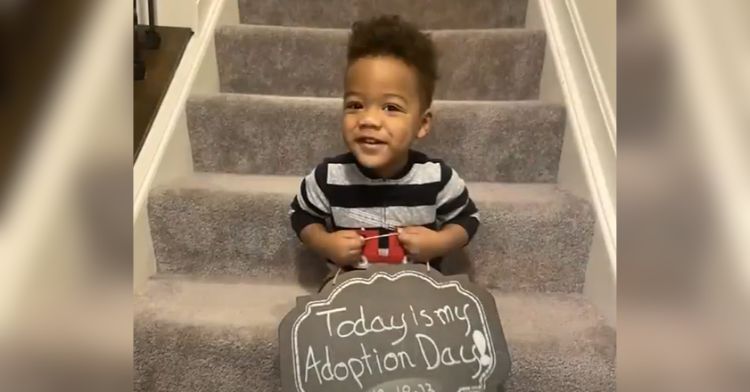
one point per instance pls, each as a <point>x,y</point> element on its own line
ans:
<point>591,123</point>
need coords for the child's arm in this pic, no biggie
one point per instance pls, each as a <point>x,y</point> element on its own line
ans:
<point>424,244</point>
<point>457,215</point>
<point>343,247</point>
<point>310,209</point>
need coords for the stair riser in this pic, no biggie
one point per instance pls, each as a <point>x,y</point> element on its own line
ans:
<point>429,14</point>
<point>474,65</point>
<point>171,357</point>
<point>499,142</point>
<point>205,233</point>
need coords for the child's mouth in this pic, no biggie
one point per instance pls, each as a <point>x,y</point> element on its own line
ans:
<point>368,145</point>
<point>369,141</point>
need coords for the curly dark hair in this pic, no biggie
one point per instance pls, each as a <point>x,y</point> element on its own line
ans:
<point>392,36</point>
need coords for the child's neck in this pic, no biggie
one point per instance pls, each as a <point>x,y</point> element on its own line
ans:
<point>392,170</point>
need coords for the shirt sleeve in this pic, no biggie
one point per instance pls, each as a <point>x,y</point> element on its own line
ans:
<point>310,205</point>
<point>455,206</point>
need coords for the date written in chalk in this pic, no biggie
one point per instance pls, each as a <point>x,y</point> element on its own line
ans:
<point>421,387</point>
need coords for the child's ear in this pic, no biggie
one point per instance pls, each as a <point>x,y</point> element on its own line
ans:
<point>425,125</point>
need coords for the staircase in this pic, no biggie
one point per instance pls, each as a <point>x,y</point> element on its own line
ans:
<point>229,265</point>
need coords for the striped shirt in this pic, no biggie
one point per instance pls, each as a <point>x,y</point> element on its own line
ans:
<point>342,194</point>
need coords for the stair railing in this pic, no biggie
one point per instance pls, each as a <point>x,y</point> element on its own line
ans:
<point>150,39</point>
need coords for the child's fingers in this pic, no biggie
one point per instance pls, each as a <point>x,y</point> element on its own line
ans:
<point>405,231</point>
<point>413,250</point>
<point>407,243</point>
<point>355,246</point>
<point>353,238</point>
<point>405,238</point>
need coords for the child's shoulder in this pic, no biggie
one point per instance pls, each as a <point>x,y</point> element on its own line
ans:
<point>418,157</point>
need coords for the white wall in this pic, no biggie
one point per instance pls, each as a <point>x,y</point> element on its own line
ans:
<point>176,13</point>
<point>599,21</point>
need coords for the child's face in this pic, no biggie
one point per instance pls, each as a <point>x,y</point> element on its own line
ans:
<point>382,113</point>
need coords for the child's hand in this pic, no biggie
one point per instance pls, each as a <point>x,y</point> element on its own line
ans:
<point>421,243</point>
<point>344,247</point>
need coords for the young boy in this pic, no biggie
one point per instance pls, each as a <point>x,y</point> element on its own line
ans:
<point>381,183</point>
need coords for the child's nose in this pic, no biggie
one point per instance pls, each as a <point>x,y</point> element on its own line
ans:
<point>370,119</point>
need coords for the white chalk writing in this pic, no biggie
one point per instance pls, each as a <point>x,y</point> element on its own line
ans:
<point>360,345</point>
<point>320,364</point>
<point>327,369</point>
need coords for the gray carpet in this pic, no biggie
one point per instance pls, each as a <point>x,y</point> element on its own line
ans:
<point>495,64</point>
<point>427,14</point>
<point>519,141</point>
<point>229,266</point>
<point>222,337</point>
<point>533,237</point>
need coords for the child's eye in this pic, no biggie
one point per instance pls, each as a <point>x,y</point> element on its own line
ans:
<point>392,108</point>
<point>354,105</point>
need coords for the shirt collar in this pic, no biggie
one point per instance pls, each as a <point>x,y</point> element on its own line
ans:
<point>369,173</point>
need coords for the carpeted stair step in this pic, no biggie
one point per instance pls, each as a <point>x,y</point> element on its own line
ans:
<point>533,237</point>
<point>508,141</point>
<point>199,336</point>
<point>493,64</point>
<point>427,14</point>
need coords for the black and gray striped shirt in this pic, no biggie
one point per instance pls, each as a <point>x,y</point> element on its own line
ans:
<point>343,194</point>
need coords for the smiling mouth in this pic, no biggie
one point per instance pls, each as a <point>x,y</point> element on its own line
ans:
<point>369,141</point>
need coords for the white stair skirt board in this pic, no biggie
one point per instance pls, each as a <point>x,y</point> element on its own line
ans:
<point>589,157</point>
<point>166,152</point>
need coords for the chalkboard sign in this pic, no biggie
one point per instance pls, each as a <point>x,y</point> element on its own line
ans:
<point>394,328</point>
